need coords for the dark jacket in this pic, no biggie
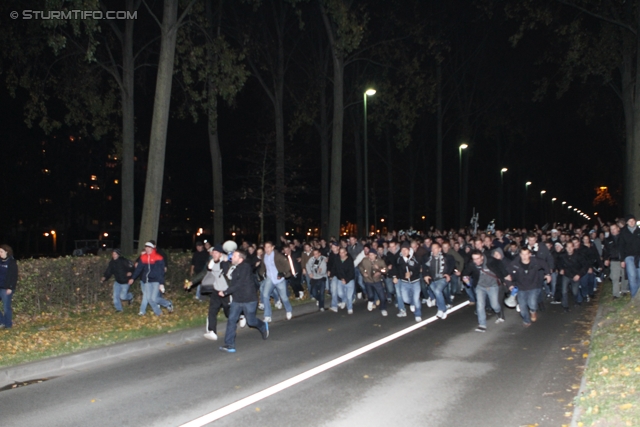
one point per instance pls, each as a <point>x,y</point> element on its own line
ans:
<point>411,265</point>
<point>428,266</point>
<point>150,268</point>
<point>344,270</point>
<point>281,262</point>
<point>528,277</point>
<point>541,251</point>
<point>392,260</point>
<point>9,278</point>
<point>592,256</point>
<point>242,287</point>
<point>629,242</point>
<point>496,266</point>
<point>573,264</point>
<point>332,258</point>
<point>611,250</point>
<point>120,269</point>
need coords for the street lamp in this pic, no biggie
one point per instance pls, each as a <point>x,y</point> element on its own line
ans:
<point>460,148</point>
<point>55,240</point>
<point>552,213</point>
<point>541,209</point>
<point>368,92</point>
<point>524,204</point>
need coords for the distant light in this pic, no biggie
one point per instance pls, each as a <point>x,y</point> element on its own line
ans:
<point>381,219</point>
<point>569,207</point>
<point>423,217</point>
<point>595,213</point>
<point>46,234</point>
<point>543,191</point>
<point>503,170</point>
<point>575,209</point>
<point>370,92</point>
<point>233,234</point>
<point>554,199</point>
<point>564,203</point>
<point>94,178</point>
<point>463,146</point>
<point>116,182</point>
<point>53,232</point>
<point>308,233</point>
<point>528,183</point>
<point>603,188</point>
<point>286,234</point>
<point>105,234</point>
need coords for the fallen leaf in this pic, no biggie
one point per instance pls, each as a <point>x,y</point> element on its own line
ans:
<point>626,406</point>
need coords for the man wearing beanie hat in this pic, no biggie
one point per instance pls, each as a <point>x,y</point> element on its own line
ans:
<point>121,268</point>
<point>630,252</point>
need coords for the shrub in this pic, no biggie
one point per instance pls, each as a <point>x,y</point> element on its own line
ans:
<point>51,284</point>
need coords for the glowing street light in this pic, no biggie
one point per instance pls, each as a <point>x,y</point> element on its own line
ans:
<point>460,148</point>
<point>368,92</point>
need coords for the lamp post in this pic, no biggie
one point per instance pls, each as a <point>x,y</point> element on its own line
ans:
<point>524,204</point>
<point>460,148</point>
<point>541,209</point>
<point>368,92</point>
<point>500,218</point>
<point>552,212</point>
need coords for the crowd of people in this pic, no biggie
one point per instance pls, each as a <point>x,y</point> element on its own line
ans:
<point>518,268</point>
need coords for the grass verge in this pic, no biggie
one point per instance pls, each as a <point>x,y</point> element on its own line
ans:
<point>612,394</point>
<point>53,334</point>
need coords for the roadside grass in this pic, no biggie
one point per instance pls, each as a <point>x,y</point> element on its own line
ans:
<point>612,394</point>
<point>53,334</point>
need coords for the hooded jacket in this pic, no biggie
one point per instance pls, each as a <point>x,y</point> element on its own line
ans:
<point>344,270</point>
<point>150,268</point>
<point>409,264</point>
<point>629,242</point>
<point>120,268</point>
<point>9,273</point>
<point>371,271</point>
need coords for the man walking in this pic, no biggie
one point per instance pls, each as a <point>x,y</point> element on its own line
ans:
<point>630,250</point>
<point>244,300</point>
<point>526,275</point>
<point>276,268</point>
<point>613,259</point>
<point>150,270</point>
<point>121,268</point>
<point>316,269</point>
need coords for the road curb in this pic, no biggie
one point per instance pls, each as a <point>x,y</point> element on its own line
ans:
<point>49,367</point>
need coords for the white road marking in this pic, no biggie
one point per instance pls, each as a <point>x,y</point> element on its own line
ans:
<point>270,391</point>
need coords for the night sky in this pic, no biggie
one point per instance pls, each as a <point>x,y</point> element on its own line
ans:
<point>567,146</point>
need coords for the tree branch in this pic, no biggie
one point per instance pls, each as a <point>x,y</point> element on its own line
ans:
<point>599,16</point>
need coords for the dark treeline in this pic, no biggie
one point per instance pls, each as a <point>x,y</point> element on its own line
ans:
<point>266,127</point>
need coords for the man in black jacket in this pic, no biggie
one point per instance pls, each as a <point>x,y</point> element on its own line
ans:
<point>244,300</point>
<point>630,250</point>
<point>487,273</point>
<point>613,259</point>
<point>121,269</point>
<point>437,270</point>
<point>573,266</point>
<point>344,272</point>
<point>527,274</point>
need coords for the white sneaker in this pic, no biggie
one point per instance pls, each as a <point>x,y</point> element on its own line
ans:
<point>424,301</point>
<point>452,297</point>
<point>402,313</point>
<point>210,335</point>
<point>384,313</point>
<point>499,320</point>
<point>242,322</point>
<point>448,306</point>
<point>412,308</point>
<point>289,315</point>
<point>370,306</point>
<point>430,302</point>
<point>518,308</point>
<point>317,303</point>
<point>349,311</point>
<point>301,294</point>
<point>334,309</point>
<point>440,314</point>
<point>418,319</point>
<point>261,307</point>
<point>342,305</point>
<point>267,319</point>
<point>279,305</point>
<point>359,295</point>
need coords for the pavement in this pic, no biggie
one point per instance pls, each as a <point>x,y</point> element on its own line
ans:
<point>65,364</point>
<point>436,373</point>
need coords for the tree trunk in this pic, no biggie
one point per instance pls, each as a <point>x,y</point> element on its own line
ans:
<point>633,150</point>
<point>128,138</point>
<point>360,189</point>
<point>158,140</point>
<point>324,162</point>
<point>214,141</point>
<point>439,151</point>
<point>390,190</point>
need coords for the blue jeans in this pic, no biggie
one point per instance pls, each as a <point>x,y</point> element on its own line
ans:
<point>249,311</point>
<point>360,281</point>
<point>316,290</point>
<point>454,285</point>
<point>633,275</point>
<point>274,293</point>
<point>376,290</point>
<point>346,291</point>
<point>482,293</point>
<point>471,290</point>
<point>158,299</point>
<point>282,291</point>
<point>121,293</point>
<point>148,290</point>
<point>439,289</point>
<point>390,287</point>
<point>528,301</point>
<point>575,288</point>
<point>6,316</point>
<point>410,292</point>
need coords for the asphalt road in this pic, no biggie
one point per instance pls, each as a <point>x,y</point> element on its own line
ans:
<point>442,374</point>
